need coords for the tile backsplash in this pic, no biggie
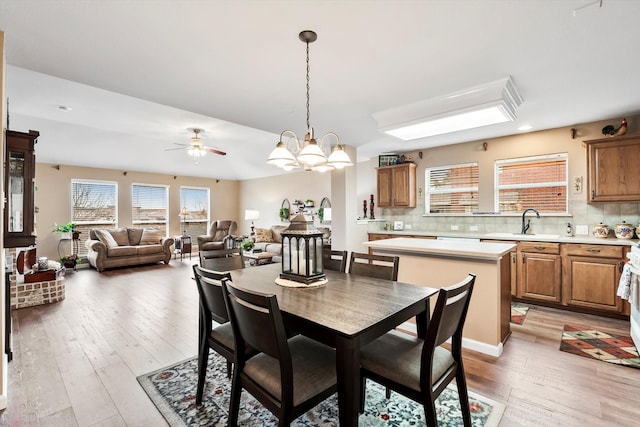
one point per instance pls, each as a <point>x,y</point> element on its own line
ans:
<point>582,213</point>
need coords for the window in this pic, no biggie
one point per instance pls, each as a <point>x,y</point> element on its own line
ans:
<point>538,182</point>
<point>94,204</point>
<point>196,202</point>
<point>149,206</point>
<point>452,189</point>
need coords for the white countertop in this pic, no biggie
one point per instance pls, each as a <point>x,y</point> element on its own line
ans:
<point>585,239</point>
<point>463,249</point>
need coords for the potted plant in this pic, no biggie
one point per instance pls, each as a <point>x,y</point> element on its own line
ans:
<point>308,203</point>
<point>66,230</point>
<point>70,261</point>
<point>247,245</point>
<point>321,213</point>
<point>284,214</point>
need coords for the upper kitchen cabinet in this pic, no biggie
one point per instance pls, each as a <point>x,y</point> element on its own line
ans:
<point>19,181</point>
<point>397,186</point>
<point>612,169</point>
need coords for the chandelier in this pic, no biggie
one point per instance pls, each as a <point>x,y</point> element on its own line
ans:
<point>309,153</point>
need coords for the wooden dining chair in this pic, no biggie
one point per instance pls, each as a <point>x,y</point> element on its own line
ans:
<point>222,259</point>
<point>334,260</point>
<point>212,309</point>
<point>378,266</point>
<point>289,377</point>
<point>421,369</point>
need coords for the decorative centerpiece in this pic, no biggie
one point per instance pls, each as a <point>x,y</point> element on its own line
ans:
<point>302,253</point>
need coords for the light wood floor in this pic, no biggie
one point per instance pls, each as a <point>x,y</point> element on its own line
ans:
<point>76,362</point>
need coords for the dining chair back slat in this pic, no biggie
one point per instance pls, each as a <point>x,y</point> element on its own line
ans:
<point>378,266</point>
<point>335,260</point>
<point>222,260</point>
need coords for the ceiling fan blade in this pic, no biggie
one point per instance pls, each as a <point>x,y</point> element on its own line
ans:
<point>215,151</point>
<point>173,149</point>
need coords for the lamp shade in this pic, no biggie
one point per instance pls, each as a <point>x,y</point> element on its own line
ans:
<point>281,156</point>
<point>338,158</point>
<point>250,215</point>
<point>312,155</point>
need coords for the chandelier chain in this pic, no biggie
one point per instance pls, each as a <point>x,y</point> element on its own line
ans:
<point>308,70</point>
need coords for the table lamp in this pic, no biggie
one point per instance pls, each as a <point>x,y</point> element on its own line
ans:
<point>252,215</point>
<point>183,215</point>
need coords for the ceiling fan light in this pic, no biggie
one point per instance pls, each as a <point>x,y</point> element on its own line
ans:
<point>322,168</point>
<point>280,156</point>
<point>196,152</point>
<point>312,155</point>
<point>339,158</point>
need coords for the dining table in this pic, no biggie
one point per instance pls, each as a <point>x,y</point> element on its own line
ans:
<point>346,313</point>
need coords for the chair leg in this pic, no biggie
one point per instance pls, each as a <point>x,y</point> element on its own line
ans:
<point>463,395</point>
<point>234,403</point>
<point>387,393</point>
<point>203,360</point>
<point>430,412</point>
<point>229,369</point>
<point>363,392</point>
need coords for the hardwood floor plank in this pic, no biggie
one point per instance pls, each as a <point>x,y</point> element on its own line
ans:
<point>76,362</point>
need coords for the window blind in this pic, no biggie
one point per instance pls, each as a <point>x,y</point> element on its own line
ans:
<point>93,202</point>
<point>196,201</point>
<point>452,189</point>
<point>149,205</point>
<point>535,182</point>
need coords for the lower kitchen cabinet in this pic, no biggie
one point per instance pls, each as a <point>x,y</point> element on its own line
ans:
<point>539,272</point>
<point>591,274</point>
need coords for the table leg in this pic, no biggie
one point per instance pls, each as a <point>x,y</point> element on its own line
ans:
<point>348,372</point>
<point>422,321</point>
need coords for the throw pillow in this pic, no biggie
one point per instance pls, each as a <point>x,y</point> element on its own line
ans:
<point>151,236</point>
<point>135,234</point>
<point>277,232</point>
<point>121,236</point>
<point>105,237</point>
<point>263,235</point>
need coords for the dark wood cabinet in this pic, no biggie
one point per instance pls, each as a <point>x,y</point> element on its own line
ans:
<point>19,182</point>
<point>397,186</point>
<point>613,174</point>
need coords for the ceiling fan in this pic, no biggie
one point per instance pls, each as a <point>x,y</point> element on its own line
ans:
<point>196,147</point>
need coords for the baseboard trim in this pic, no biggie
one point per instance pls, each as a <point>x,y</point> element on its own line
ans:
<point>481,347</point>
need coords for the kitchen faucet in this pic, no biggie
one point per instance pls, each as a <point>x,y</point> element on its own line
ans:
<point>525,227</point>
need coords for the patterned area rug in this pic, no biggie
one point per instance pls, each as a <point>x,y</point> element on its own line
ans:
<point>173,389</point>
<point>618,349</point>
<point>518,313</point>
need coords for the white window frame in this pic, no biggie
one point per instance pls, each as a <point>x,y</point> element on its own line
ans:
<point>531,159</point>
<point>139,223</point>
<point>183,204</point>
<point>429,191</point>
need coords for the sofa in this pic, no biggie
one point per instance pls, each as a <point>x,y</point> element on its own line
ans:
<point>221,236</point>
<point>270,239</point>
<point>123,247</point>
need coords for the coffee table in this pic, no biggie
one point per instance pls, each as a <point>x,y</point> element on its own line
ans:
<point>259,258</point>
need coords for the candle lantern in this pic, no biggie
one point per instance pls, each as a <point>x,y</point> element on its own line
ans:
<point>302,252</point>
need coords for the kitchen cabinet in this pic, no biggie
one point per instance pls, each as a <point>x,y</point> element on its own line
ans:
<point>591,274</point>
<point>19,182</point>
<point>613,174</point>
<point>397,186</point>
<point>539,271</point>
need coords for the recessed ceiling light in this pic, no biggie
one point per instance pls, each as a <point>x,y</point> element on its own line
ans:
<point>64,108</point>
<point>525,127</point>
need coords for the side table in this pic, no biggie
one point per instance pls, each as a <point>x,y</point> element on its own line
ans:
<point>182,246</point>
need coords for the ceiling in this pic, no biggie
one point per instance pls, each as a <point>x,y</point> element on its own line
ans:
<point>137,74</point>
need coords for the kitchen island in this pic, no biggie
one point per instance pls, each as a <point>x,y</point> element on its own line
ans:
<point>441,263</point>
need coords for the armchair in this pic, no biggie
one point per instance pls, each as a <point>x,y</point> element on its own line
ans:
<point>221,234</point>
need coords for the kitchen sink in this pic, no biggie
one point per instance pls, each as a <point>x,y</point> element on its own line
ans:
<point>522,236</point>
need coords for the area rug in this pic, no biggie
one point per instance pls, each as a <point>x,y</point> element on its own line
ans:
<point>611,348</point>
<point>173,391</point>
<point>518,313</point>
